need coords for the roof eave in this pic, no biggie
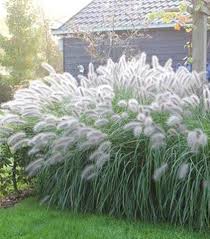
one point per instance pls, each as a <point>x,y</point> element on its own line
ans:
<point>59,32</point>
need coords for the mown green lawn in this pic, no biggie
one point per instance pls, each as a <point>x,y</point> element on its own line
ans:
<point>29,220</point>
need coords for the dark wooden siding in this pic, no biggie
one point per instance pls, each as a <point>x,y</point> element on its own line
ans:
<point>75,53</point>
<point>165,43</point>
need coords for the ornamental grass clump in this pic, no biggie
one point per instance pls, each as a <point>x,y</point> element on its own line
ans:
<point>129,140</point>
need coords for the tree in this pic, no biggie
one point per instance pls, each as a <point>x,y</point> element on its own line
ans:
<point>49,51</point>
<point>20,48</point>
<point>200,13</point>
<point>194,20</point>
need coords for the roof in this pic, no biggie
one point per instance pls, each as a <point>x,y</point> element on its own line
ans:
<point>107,15</point>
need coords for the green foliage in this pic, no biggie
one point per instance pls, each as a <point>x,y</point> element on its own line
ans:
<point>12,173</point>
<point>125,186</point>
<point>6,91</point>
<point>29,220</point>
<point>49,51</point>
<point>5,173</point>
<point>28,45</point>
<point>20,48</point>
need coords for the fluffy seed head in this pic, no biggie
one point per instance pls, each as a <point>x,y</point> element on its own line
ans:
<point>159,172</point>
<point>183,170</point>
<point>137,131</point>
<point>196,139</point>
<point>122,104</point>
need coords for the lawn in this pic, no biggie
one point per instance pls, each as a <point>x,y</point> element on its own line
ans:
<point>29,220</point>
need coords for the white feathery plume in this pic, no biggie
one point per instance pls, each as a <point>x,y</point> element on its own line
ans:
<point>116,118</point>
<point>96,137</point>
<point>183,170</point>
<point>3,140</point>
<point>155,62</point>
<point>104,106</point>
<point>174,120</point>
<point>154,106</point>
<point>19,145</point>
<point>36,139</point>
<point>207,105</point>
<point>95,155</point>
<point>83,131</point>
<point>104,158</point>
<point>124,115</point>
<point>105,146</point>
<point>132,125</point>
<point>159,172</point>
<point>41,126</point>
<point>54,159</point>
<point>48,136</point>
<point>7,132</point>
<point>32,114</point>
<point>148,121</point>
<point>92,114</point>
<point>157,140</point>
<point>137,131</point>
<point>101,122</point>
<point>206,98</point>
<point>172,108</point>
<point>9,119</point>
<point>15,121</point>
<point>107,89</point>
<point>149,130</point>
<point>48,68</point>
<point>122,103</point>
<point>168,65</point>
<point>191,101</point>
<point>133,105</point>
<point>89,172</point>
<point>157,137</point>
<point>85,146</point>
<point>64,143</point>
<point>68,123</point>
<point>196,139</point>
<point>105,113</point>
<point>12,140</point>
<point>33,168</point>
<point>34,150</point>
<point>141,117</point>
<point>51,119</point>
<point>206,92</point>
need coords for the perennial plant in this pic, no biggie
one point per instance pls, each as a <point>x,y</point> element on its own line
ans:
<point>129,139</point>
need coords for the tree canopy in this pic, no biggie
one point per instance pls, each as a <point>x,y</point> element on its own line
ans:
<point>20,48</point>
<point>28,44</point>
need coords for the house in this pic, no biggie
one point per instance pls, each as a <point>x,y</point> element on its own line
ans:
<point>124,20</point>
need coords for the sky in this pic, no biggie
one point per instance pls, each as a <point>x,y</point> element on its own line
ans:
<point>59,10</point>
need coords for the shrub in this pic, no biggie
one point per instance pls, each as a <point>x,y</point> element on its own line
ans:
<point>5,90</point>
<point>130,140</point>
<point>12,174</point>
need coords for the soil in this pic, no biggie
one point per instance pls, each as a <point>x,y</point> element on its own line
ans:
<point>14,198</point>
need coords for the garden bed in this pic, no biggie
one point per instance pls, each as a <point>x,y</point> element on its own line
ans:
<point>12,199</point>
